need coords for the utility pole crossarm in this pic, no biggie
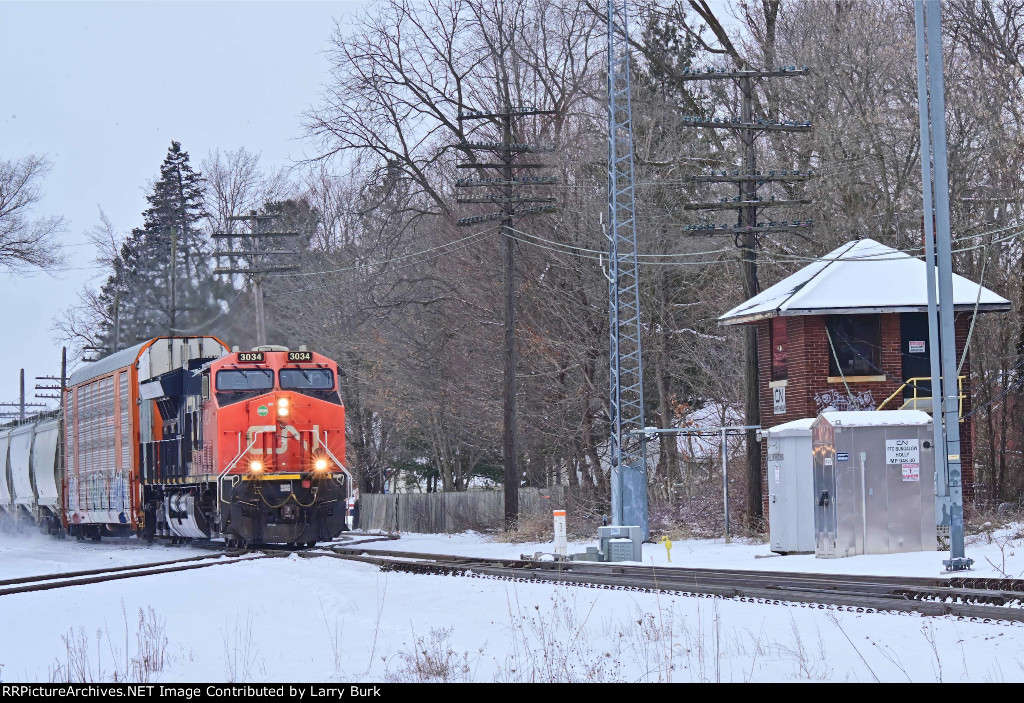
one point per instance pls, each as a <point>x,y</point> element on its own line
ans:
<point>498,199</point>
<point>255,272</point>
<point>499,165</point>
<point>760,126</point>
<point>758,178</point>
<point>688,75</point>
<point>268,252</point>
<point>252,235</point>
<point>511,112</point>
<point>760,227</point>
<point>532,181</point>
<point>732,204</point>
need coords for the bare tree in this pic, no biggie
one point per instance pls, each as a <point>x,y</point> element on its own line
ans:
<point>233,186</point>
<point>25,241</point>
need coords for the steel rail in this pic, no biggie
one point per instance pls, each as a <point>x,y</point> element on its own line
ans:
<point>93,572</point>
<point>969,598</point>
<point>46,583</point>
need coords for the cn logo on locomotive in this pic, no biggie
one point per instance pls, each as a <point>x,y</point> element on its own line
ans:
<point>286,432</point>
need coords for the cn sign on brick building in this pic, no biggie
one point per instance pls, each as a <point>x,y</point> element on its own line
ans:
<point>850,332</point>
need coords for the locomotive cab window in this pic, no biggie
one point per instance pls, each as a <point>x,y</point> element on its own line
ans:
<point>245,380</point>
<point>307,379</point>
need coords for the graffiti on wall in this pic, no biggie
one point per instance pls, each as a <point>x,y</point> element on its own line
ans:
<point>835,400</point>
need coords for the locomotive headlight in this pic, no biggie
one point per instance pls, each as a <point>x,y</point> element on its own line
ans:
<point>255,466</point>
<point>282,402</point>
<point>282,411</point>
<point>321,464</point>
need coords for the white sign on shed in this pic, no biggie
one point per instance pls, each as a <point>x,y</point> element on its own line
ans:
<point>902,451</point>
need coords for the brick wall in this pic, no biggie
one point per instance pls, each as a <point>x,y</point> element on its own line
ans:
<point>808,353</point>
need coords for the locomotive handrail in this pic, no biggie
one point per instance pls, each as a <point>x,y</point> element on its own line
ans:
<point>344,469</point>
<point>232,464</point>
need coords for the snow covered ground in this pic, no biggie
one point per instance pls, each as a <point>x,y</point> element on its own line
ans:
<point>1001,554</point>
<point>33,554</point>
<point>326,619</point>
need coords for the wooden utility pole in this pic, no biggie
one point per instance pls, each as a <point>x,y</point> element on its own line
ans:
<point>507,187</point>
<point>174,281</point>
<point>745,233</point>
<point>20,405</point>
<point>255,258</point>
<point>117,321</point>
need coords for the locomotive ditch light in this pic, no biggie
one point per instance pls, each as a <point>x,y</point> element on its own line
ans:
<point>321,464</point>
<point>255,466</point>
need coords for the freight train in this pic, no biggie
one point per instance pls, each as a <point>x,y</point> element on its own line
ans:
<point>182,438</point>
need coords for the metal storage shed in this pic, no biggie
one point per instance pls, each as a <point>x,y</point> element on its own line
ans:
<point>790,462</point>
<point>874,483</point>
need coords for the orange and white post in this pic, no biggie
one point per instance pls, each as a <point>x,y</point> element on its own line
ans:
<point>560,541</point>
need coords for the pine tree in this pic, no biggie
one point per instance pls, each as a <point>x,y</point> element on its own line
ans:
<point>168,253</point>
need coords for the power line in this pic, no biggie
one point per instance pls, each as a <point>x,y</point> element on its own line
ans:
<point>446,245</point>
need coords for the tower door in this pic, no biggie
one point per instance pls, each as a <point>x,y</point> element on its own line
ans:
<point>916,352</point>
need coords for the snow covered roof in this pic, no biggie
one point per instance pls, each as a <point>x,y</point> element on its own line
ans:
<point>793,427</point>
<point>861,276</point>
<point>876,418</point>
<point>107,364</point>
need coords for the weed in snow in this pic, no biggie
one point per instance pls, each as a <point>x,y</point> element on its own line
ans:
<point>79,664</point>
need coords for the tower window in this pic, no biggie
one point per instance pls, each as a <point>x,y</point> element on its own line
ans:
<point>780,363</point>
<point>857,340</point>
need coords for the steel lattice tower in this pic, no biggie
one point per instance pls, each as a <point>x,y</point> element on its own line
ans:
<point>628,452</point>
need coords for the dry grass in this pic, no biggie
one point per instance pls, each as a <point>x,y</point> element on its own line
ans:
<point>88,661</point>
<point>533,529</point>
<point>984,519</point>
<point>571,640</point>
<point>432,660</point>
<point>242,660</point>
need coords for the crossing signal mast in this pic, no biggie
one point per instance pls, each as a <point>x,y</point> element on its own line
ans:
<point>502,181</point>
<point>628,448</point>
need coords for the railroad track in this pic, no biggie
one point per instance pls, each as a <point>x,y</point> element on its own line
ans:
<point>966,597</point>
<point>46,582</point>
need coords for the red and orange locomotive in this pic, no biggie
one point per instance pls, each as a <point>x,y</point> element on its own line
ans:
<point>178,437</point>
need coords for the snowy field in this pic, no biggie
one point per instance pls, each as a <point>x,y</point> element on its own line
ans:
<point>325,619</point>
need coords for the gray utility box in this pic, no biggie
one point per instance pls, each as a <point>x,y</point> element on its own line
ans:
<point>790,464</point>
<point>621,542</point>
<point>874,483</point>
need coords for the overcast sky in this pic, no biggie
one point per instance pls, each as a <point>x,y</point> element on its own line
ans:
<point>103,88</point>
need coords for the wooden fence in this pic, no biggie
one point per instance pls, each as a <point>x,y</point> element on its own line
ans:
<point>452,512</point>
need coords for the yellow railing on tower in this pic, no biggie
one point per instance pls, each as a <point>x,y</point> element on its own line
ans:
<point>918,400</point>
